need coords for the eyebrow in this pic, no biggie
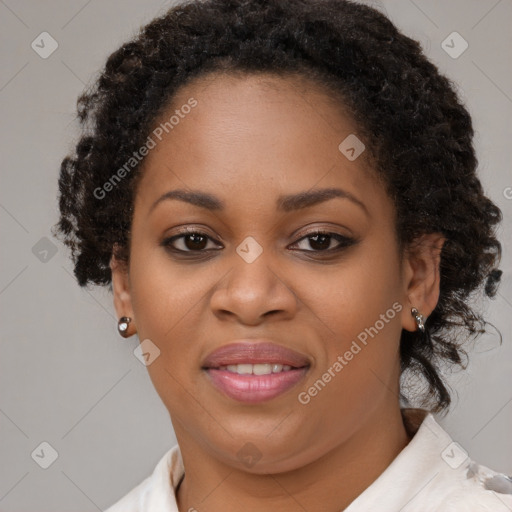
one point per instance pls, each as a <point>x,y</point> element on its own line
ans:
<point>285,203</point>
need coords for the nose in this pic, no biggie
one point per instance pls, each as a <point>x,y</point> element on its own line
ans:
<point>254,291</point>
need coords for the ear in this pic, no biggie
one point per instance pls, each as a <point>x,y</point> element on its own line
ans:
<point>121,291</point>
<point>421,277</point>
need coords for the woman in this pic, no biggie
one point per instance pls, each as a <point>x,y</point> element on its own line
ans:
<point>283,199</point>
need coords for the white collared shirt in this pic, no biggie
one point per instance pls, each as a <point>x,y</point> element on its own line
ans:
<point>431,474</point>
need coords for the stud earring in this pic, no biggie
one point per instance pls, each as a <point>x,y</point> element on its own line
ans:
<point>122,326</point>
<point>420,320</point>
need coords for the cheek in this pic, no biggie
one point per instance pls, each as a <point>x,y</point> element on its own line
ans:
<point>352,296</point>
<point>167,302</point>
<point>359,307</point>
<point>162,293</point>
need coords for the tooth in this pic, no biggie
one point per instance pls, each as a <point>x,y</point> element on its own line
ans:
<point>261,369</point>
<point>276,368</point>
<point>286,368</point>
<point>232,368</point>
<point>244,369</point>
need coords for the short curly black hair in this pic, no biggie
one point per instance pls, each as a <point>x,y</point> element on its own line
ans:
<point>416,130</point>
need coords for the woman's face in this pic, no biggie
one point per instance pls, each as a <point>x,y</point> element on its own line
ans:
<point>258,147</point>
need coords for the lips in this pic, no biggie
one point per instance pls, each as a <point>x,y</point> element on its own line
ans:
<point>228,369</point>
<point>251,352</point>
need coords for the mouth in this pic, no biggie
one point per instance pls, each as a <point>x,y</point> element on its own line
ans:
<point>255,372</point>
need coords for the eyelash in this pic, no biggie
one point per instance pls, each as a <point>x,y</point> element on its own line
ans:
<point>344,241</point>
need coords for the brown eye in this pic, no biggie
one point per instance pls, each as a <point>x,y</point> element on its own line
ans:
<point>190,241</point>
<point>320,241</point>
<point>195,242</point>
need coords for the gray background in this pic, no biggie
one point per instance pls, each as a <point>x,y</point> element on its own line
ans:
<point>66,377</point>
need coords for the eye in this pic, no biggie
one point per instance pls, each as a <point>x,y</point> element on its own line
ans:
<point>189,241</point>
<point>320,241</point>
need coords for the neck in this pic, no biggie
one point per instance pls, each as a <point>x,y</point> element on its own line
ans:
<point>332,481</point>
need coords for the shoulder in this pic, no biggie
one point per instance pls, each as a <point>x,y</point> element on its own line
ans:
<point>433,473</point>
<point>474,488</point>
<point>156,492</point>
<point>456,482</point>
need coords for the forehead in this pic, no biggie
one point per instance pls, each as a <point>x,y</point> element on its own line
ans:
<point>252,137</point>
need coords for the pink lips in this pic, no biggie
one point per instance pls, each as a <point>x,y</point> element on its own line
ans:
<point>254,388</point>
